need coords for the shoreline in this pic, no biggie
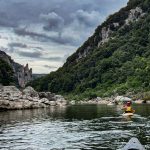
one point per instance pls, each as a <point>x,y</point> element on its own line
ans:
<point>11,98</point>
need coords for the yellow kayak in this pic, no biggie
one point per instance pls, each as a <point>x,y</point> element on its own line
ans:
<point>127,114</point>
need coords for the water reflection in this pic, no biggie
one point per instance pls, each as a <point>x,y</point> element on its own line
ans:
<point>31,114</point>
<point>73,127</point>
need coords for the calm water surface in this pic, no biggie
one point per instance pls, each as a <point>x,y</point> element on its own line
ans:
<point>74,127</point>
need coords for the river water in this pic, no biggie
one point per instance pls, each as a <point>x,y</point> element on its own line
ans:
<point>73,127</point>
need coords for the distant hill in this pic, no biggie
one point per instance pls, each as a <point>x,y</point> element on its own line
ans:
<point>35,76</point>
<point>12,73</point>
<point>115,59</point>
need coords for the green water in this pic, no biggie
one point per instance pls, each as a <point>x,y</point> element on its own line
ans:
<point>73,127</point>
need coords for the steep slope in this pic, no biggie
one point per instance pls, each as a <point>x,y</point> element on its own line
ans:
<point>12,72</point>
<point>114,60</point>
<point>6,73</point>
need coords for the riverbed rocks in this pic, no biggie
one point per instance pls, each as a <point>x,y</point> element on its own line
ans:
<point>48,95</point>
<point>29,91</point>
<point>12,98</point>
<point>97,100</point>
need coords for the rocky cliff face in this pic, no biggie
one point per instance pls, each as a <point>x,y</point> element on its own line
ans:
<point>24,75</point>
<point>106,31</point>
<point>21,73</point>
<point>115,59</point>
<point>134,15</point>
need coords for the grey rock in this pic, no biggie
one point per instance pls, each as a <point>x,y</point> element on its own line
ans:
<point>24,75</point>
<point>29,91</point>
<point>83,54</point>
<point>13,98</point>
<point>44,100</point>
<point>134,15</point>
<point>53,103</point>
<point>105,34</point>
<point>48,95</point>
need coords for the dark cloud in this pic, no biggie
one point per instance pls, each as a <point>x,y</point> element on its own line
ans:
<point>50,67</point>
<point>43,37</point>
<point>39,55</point>
<point>25,32</point>
<point>53,21</point>
<point>87,18</point>
<point>35,54</point>
<point>4,49</point>
<point>5,21</point>
<point>16,12</point>
<point>52,58</point>
<point>61,24</point>
<point>39,48</point>
<point>56,16</point>
<point>15,44</point>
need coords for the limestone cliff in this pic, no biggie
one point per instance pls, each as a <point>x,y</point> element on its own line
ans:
<point>106,32</point>
<point>22,74</point>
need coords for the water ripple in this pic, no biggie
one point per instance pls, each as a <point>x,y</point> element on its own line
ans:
<point>49,132</point>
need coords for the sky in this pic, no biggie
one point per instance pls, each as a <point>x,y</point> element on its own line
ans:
<point>43,33</point>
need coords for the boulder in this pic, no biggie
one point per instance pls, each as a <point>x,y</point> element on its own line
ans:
<point>13,98</point>
<point>61,102</point>
<point>59,97</point>
<point>48,95</point>
<point>45,101</point>
<point>53,103</point>
<point>11,92</point>
<point>29,91</point>
<point>122,99</point>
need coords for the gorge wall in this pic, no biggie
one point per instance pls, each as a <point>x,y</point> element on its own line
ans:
<point>21,74</point>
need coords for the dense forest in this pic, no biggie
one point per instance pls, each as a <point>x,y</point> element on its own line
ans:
<point>120,65</point>
<point>6,73</point>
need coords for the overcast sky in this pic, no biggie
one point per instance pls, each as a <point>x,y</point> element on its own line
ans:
<point>44,33</point>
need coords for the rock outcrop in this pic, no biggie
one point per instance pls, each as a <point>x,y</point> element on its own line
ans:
<point>105,33</point>
<point>134,15</point>
<point>22,74</point>
<point>13,98</point>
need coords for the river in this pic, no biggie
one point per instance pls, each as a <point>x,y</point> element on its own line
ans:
<point>73,127</point>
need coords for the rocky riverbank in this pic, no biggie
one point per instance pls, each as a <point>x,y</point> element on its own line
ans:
<point>12,98</point>
<point>111,100</point>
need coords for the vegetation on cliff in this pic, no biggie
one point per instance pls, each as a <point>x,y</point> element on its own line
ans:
<point>120,65</point>
<point>6,73</point>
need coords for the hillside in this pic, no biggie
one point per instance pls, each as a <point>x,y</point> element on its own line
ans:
<point>115,59</point>
<point>12,73</point>
<point>6,73</point>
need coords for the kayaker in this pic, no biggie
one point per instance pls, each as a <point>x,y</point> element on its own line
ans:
<point>128,108</point>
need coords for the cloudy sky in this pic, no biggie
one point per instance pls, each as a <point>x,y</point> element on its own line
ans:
<point>45,32</point>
